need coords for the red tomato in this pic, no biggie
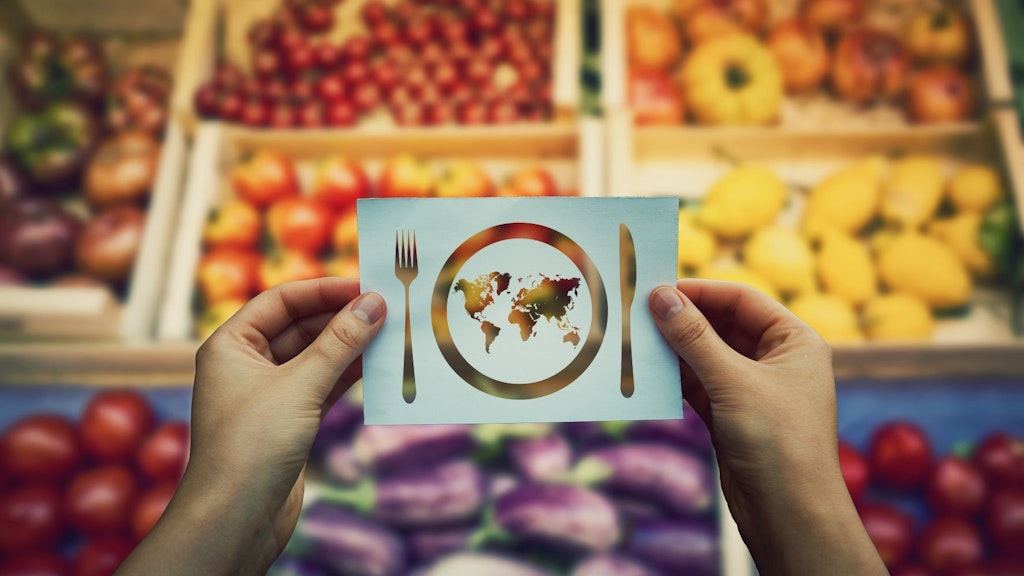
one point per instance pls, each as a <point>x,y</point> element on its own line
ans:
<point>949,544</point>
<point>36,564</point>
<point>855,470</point>
<point>235,224</point>
<point>289,267</point>
<point>339,182</point>
<point>102,556</point>
<point>115,423</point>
<point>30,519</point>
<point>100,501</point>
<point>227,274</point>
<point>40,447</point>
<point>150,508</point>
<point>300,224</point>
<point>533,182</point>
<point>900,455</point>
<point>956,487</point>
<point>1005,521</point>
<point>265,178</point>
<point>1001,459</point>
<point>163,455</point>
<point>891,530</point>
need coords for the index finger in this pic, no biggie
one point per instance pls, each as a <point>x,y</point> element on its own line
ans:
<point>274,310</point>
<point>748,310</point>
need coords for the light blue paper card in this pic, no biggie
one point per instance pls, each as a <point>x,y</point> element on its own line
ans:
<point>518,309</point>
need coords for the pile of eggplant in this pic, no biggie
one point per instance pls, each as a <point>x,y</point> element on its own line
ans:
<point>579,499</point>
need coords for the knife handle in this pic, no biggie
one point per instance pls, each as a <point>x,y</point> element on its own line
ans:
<point>627,369</point>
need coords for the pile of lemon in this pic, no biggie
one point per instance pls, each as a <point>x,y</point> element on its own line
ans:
<point>881,245</point>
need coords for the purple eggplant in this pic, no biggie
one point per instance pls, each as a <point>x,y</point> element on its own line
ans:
<point>337,425</point>
<point>587,433</point>
<point>680,481</point>
<point>560,514</point>
<point>342,465</point>
<point>388,449</point>
<point>429,544</point>
<point>441,495</point>
<point>348,544</point>
<point>675,546</point>
<point>481,564</point>
<point>608,564</point>
<point>500,484</point>
<point>297,566</point>
<point>392,448</point>
<point>631,507</point>
<point>541,458</point>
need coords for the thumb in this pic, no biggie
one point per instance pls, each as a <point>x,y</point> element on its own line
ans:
<point>690,334</point>
<point>341,341</point>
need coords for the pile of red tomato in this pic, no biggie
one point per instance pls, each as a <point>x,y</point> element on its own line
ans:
<point>974,502</point>
<point>75,498</point>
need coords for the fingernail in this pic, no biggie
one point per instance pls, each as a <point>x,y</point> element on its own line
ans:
<point>666,301</point>
<point>368,307</point>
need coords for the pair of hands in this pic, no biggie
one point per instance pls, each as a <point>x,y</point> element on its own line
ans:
<point>758,377</point>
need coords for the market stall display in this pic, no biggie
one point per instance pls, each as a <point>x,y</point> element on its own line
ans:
<point>88,179</point>
<point>85,474</point>
<point>376,64</point>
<point>271,209</point>
<point>902,237</point>
<point>938,491</point>
<point>810,65</point>
<point>575,498</point>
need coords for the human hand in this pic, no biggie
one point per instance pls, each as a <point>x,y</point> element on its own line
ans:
<point>762,381</point>
<point>263,382</point>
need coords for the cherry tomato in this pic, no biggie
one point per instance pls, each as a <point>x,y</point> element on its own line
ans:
<point>35,564</point>
<point>1001,459</point>
<point>949,544</point>
<point>115,424</point>
<point>900,455</point>
<point>150,508</point>
<point>956,487</point>
<point>100,501</point>
<point>1005,519</point>
<point>163,455</point>
<point>855,470</point>
<point>102,556</point>
<point>30,519</point>
<point>40,447</point>
<point>890,529</point>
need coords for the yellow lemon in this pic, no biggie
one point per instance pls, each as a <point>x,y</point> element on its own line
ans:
<point>747,198</point>
<point>846,200</point>
<point>783,258</point>
<point>845,268</point>
<point>740,274</point>
<point>975,188</point>
<point>830,316</point>
<point>697,246</point>
<point>925,267</point>
<point>898,316</point>
<point>913,192</point>
<point>961,234</point>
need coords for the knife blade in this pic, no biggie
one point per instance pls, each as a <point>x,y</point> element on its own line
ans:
<point>627,288</point>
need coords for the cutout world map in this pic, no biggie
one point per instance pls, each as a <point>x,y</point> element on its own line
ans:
<point>533,297</point>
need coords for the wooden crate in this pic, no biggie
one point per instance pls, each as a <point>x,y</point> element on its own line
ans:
<point>992,73</point>
<point>130,37</point>
<point>571,153</point>
<point>670,161</point>
<point>209,19</point>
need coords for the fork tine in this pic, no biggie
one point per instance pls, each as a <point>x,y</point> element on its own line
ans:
<point>415,259</point>
<point>405,248</point>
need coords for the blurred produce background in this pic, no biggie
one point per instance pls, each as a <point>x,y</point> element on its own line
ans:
<point>859,160</point>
